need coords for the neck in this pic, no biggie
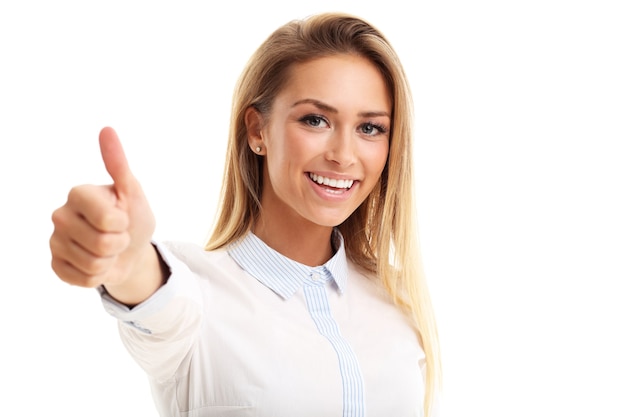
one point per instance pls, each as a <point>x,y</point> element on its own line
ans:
<point>308,244</point>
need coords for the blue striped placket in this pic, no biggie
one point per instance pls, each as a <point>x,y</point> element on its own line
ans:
<point>317,303</point>
<point>285,276</point>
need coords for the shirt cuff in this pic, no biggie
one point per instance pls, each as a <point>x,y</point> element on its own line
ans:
<point>180,282</point>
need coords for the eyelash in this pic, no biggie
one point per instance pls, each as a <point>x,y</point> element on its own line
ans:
<point>381,129</point>
<point>313,117</point>
<point>317,118</point>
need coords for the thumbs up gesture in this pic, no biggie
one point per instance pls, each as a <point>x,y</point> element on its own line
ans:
<point>102,233</point>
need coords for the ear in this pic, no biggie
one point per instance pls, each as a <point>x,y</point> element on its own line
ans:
<point>254,127</point>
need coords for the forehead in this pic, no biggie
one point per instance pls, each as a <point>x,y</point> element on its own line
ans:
<point>342,79</point>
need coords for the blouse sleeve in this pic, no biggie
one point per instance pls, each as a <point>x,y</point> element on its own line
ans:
<point>160,332</point>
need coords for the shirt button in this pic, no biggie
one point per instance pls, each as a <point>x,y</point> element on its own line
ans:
<point>316,277</point>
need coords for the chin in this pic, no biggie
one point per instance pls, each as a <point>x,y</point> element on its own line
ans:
<point>330,221</point>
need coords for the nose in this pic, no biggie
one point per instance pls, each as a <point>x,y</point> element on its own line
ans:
<point>341,148</point>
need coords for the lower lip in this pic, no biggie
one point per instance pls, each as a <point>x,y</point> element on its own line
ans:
<point>332,194</point>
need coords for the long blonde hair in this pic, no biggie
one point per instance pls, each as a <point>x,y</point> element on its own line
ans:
<point>381,235</point>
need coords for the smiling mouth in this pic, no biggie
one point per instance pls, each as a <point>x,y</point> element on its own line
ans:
<point>331,182</point>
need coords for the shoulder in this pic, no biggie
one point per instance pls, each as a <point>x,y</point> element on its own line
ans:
<point>367,281</point>
<point>195,257</point>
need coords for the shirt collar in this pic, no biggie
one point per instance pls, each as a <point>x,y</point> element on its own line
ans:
<point>285,276</point>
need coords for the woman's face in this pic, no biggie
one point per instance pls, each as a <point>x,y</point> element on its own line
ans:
<point>326,141</point>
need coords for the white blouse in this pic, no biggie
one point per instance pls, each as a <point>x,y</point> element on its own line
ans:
<point>245,331</point>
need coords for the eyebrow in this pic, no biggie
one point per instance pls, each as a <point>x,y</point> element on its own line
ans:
<point>323,106</point>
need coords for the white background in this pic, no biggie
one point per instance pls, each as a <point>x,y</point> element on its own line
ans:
<point>521,123</point>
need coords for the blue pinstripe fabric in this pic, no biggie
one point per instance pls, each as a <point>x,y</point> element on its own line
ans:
<point>285,277</point>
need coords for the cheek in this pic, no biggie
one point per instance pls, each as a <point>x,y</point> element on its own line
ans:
<point>288,150</point>
<point>299,146</point>
<point>377,157</point>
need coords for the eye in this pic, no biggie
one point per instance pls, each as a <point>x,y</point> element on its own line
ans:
<point>314,120</point>
<point>372,129</point>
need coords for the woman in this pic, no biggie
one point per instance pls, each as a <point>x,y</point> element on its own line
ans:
<point>308,298</point>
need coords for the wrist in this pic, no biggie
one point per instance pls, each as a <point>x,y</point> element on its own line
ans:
<point>146,275</point>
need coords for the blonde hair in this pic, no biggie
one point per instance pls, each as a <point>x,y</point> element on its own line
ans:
<point>381,235</point>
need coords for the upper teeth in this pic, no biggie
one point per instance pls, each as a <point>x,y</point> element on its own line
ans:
<point>331,182</point>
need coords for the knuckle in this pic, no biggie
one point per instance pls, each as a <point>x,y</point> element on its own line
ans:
<point>62,269</point>
<point>110,220</point>
<point>55,246</point>
<point>104,245</point>
<point>95,266</point>
<point>57,268</point>
<point>58,216</point>
<point>75,194</point>
<point>58,250</point>
<point>99,246</point>
<point>71,275</point>
<point>53,243</point>
<point>92,282</point>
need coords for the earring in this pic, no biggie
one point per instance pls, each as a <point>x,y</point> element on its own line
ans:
<point>257,149</point>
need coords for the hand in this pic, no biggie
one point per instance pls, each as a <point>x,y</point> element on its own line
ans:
<point>102,233</point>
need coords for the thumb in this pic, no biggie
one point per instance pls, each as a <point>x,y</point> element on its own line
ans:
<point>115,161</point>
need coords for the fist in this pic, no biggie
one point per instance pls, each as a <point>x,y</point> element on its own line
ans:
<point>102,233</point>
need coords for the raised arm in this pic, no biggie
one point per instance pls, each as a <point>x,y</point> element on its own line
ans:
<point>102,234</point>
